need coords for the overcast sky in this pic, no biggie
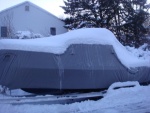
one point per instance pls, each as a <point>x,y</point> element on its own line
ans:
<point>52,6</point>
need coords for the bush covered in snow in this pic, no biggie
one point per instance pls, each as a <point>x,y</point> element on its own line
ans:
<point>142,52</point>
<point>27,35</point>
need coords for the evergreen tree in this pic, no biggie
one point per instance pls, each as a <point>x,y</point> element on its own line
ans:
<point>124,18</point>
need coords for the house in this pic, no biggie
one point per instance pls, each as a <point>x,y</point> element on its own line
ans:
<point>29,17</point>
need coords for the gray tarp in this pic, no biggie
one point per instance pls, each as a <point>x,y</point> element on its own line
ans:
<point>80,67</point>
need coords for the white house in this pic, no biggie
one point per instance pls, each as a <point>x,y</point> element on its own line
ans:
<point>29,17</point>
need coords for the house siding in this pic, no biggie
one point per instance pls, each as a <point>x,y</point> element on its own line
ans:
<point>36,20</point>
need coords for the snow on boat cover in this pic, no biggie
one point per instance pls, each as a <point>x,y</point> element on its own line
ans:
<point>89,58</point>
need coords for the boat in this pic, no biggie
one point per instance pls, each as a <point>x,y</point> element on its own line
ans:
<point>81,67</point>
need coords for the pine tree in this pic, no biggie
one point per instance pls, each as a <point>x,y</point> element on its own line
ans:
<point>124,18</point>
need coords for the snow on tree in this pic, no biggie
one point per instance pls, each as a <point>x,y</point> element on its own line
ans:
<point>124,18</point>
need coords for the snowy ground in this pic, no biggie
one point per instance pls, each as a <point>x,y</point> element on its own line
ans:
<point>124,100</point>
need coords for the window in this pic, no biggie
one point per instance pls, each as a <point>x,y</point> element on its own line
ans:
<point>53,31</point>
<point>27,8</point>
<point>3,31</point>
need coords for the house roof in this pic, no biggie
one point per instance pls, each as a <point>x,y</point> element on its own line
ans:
<point>27,2</point>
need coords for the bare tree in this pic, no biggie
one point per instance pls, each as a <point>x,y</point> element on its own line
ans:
<point>7,20</point>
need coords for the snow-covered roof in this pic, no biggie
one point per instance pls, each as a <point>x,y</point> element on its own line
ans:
<point>58,44</point>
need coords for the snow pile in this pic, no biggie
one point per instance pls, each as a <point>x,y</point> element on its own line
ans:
<point>58,44</point>
<point>19,92</point>
<point>27,35</point>
<point>116,85</point>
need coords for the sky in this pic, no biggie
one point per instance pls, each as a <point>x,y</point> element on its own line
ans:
<point>52,6</point>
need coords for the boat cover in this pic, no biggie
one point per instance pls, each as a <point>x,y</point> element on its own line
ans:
<point>81,66</point>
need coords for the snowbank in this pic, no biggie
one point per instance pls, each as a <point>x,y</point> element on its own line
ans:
<point>58,44</point>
